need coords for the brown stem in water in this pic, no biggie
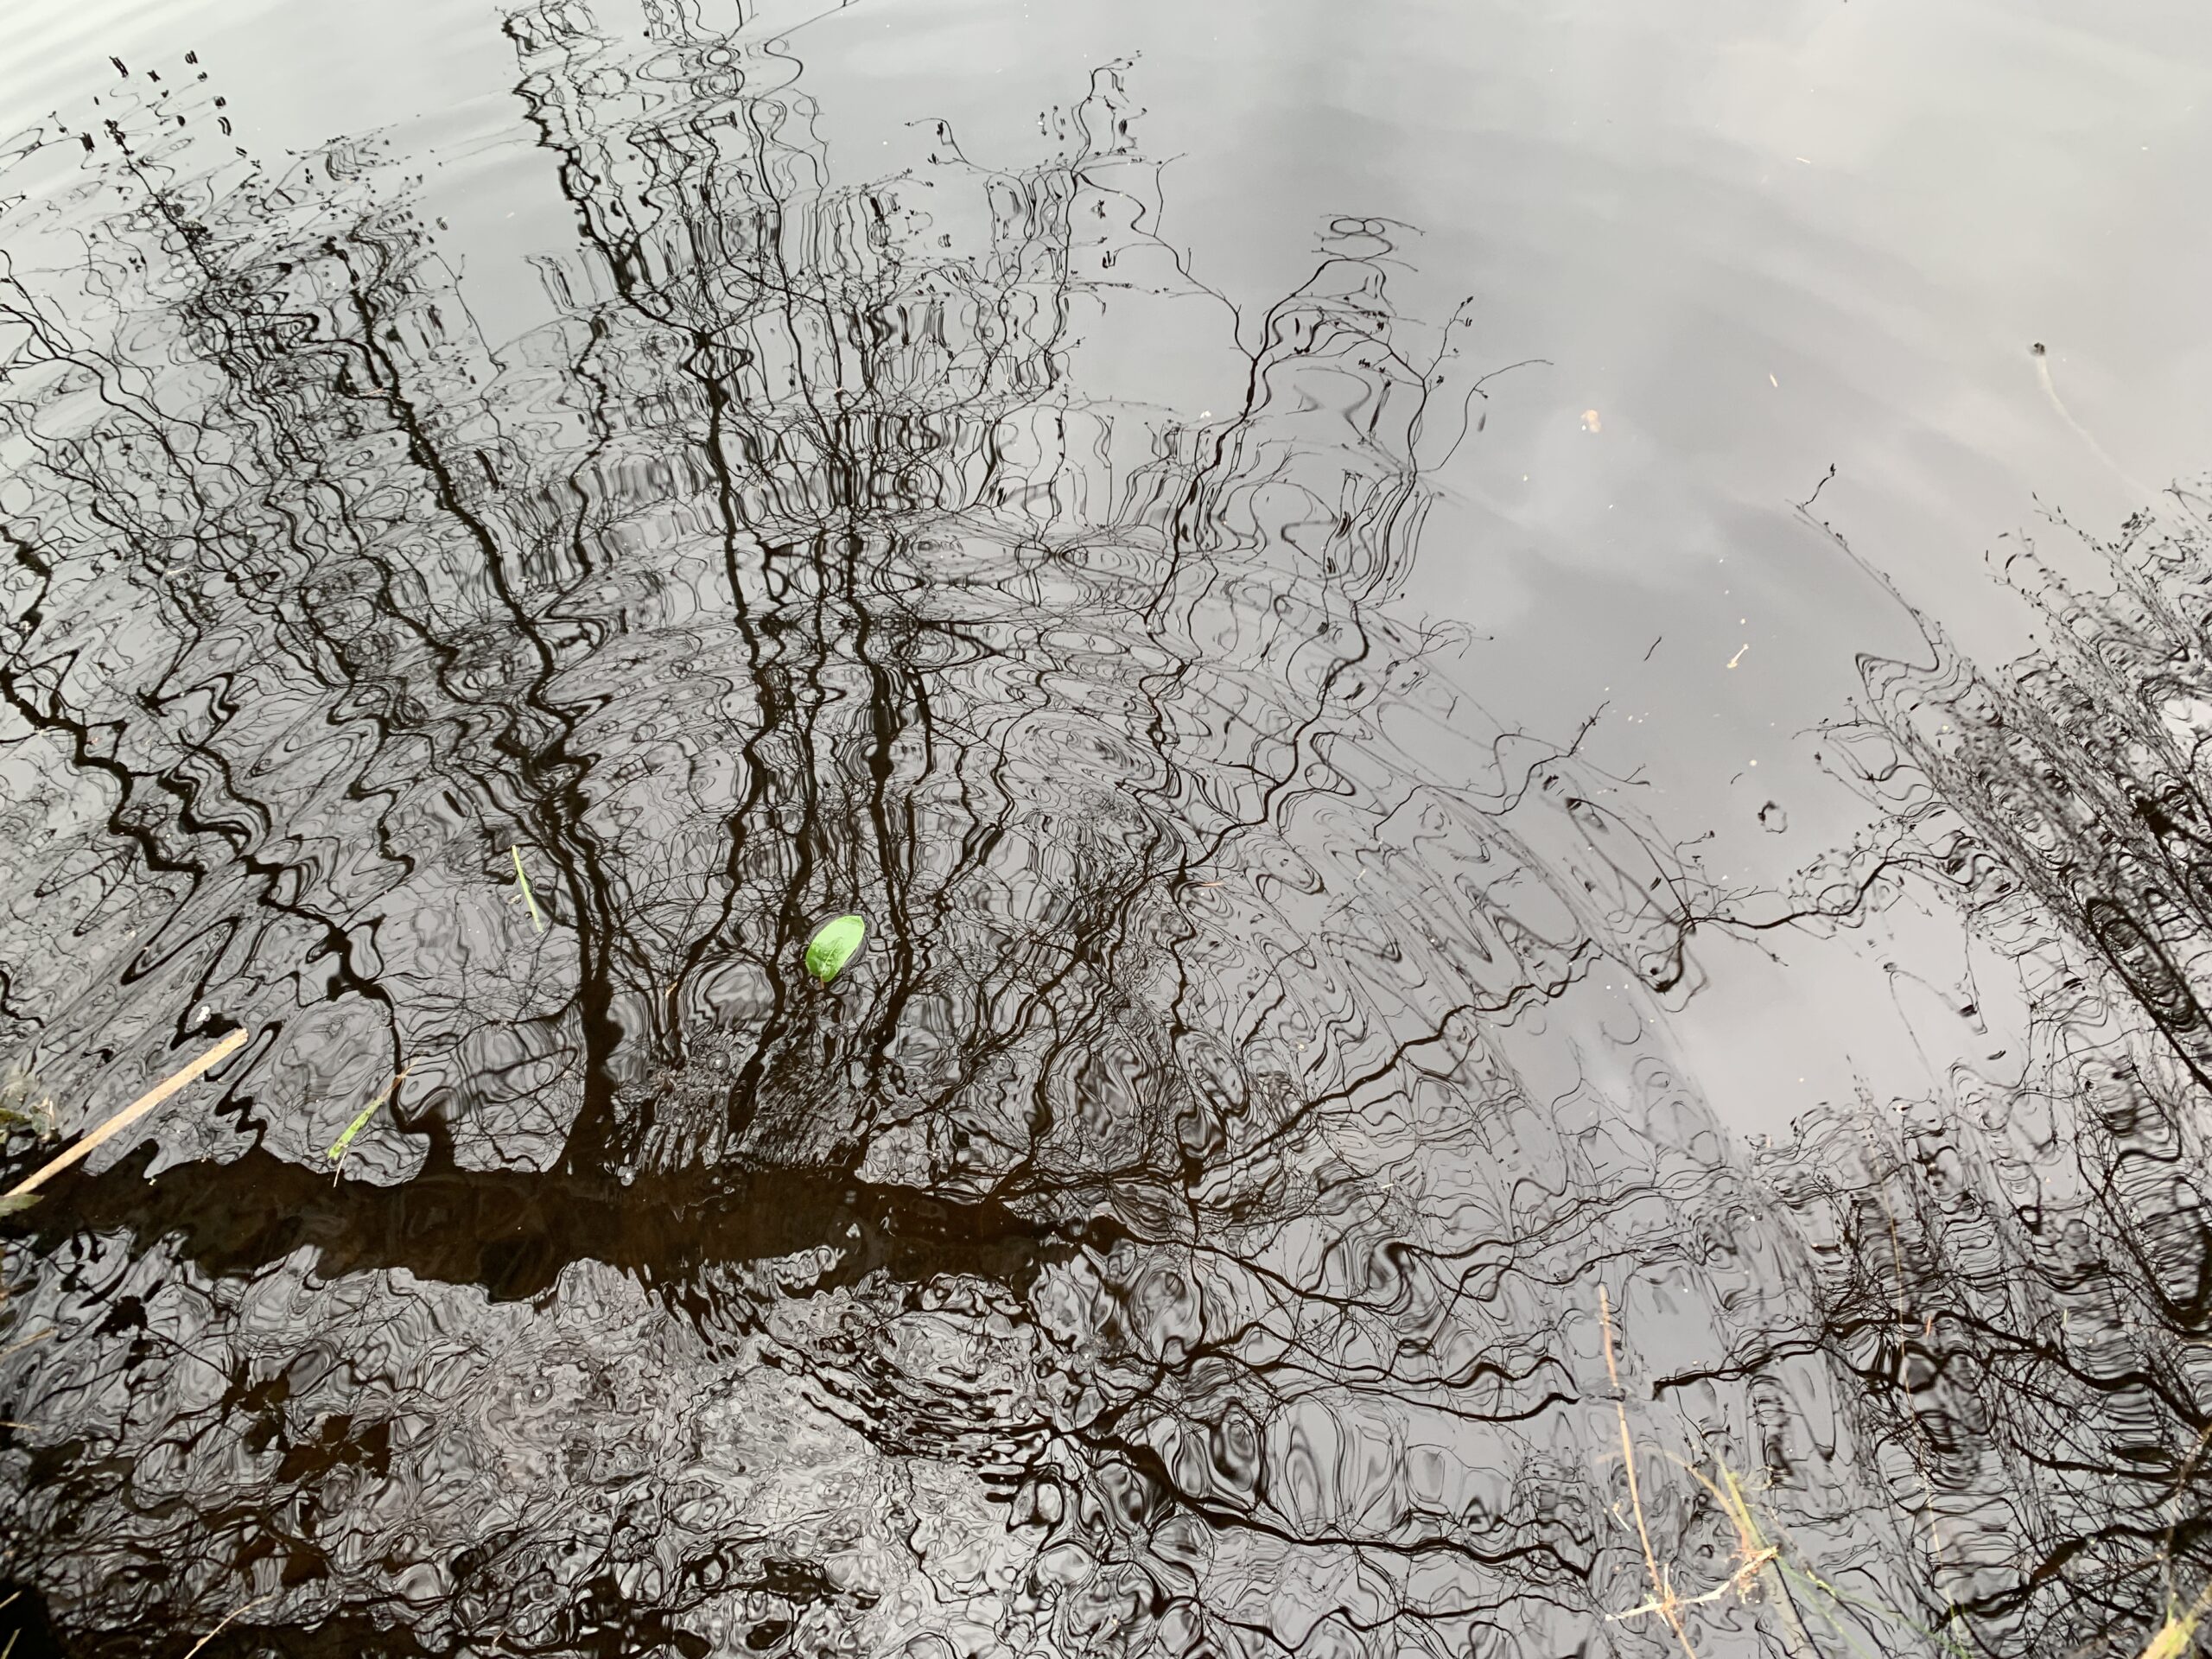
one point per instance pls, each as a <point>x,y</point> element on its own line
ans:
<point>1663,1600</point>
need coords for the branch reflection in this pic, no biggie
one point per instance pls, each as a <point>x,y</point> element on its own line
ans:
<point>1152,1243</point>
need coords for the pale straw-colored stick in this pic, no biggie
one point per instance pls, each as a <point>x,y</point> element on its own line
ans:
<point>1664,1602</point>
<point>130,1113</point>
<point>245,1608</point>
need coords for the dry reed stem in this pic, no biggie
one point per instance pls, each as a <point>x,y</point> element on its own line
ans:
<point>1664,1602</point>
<point>130,1113</point>
<point>1756,1557</point>
<point>242,1608</point>
<point>2178,1634</point>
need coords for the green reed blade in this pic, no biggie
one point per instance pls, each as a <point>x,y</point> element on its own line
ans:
<point>522,876</point>
<point>337,1153</point>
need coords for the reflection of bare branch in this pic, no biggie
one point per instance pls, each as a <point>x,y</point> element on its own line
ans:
<point>2013,1273</point>
<point>781,570</point>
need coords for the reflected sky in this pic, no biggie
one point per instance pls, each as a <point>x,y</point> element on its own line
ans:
<point>1418,626</point>
<point>1758,243</point>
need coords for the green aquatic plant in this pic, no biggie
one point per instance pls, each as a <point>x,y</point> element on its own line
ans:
<point>338,1147</point>
<point>522,879</point>
<point>25,1105</point>
<point>1761,1562</point>
<point>833,945</point>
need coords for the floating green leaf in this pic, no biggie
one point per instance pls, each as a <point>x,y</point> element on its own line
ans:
<point>833,945</point>
<point>12,1203</point>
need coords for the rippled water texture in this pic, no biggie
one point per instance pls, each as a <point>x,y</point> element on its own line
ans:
<point>1260,1189</point>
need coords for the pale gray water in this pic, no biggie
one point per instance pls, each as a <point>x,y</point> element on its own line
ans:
<point>1342,890</point>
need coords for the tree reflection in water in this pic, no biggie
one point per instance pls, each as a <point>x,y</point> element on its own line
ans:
<point>1158,1182</point>
<point>2014,1274</point>
<point>1179,1232</point>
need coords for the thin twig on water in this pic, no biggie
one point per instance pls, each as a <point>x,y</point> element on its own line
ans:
<point>1663,1602</point>
<point>242,1608</point>
<point>130,1113</point>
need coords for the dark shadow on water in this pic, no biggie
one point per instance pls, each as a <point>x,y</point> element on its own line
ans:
<point>513,1232</point>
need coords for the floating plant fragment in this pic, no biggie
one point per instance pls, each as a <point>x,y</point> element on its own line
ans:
<point>522,880</point>
<point>833,945</point>
<point>337,1153</point>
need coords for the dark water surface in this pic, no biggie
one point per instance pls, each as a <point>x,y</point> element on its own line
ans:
<point>1514,692</point>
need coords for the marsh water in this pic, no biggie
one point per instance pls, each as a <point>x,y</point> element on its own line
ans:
<point>1516,693</point>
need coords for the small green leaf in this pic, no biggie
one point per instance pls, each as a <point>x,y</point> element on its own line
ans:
<point>833,945</point>
<point>11,1202</point>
